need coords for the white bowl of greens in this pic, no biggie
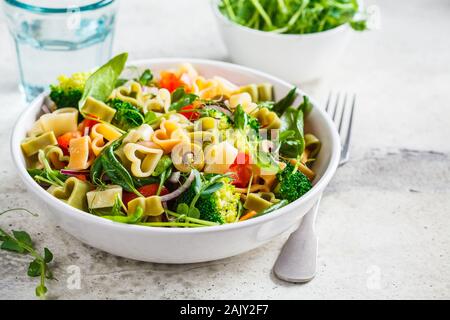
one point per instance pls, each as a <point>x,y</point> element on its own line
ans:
<point>297,40</point>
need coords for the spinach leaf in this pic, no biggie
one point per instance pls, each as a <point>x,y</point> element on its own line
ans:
<point>102,82</point>
<point>140,182</point>
<point>293,145</point>
<point>280,106</point>
<point>145,77</point>
<point>181,99</point>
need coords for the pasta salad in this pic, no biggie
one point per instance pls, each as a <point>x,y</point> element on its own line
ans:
<point>174,149</point>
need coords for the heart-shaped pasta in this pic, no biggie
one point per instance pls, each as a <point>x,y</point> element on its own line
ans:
<point>245,100</point>
<point>101,132</point>
<point>169,135</point>
<point>142,133</point>
<point>151,206</point>
<point>143,160</point>
<point>56,157</point>
<point>268,119</point>
<point>60,121</point>
<point>73,192</point>
<point>131,93</point>
<point>186,156</point>
<point>159,103</point>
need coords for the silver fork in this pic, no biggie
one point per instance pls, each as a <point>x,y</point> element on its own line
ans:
<point>297,261</point>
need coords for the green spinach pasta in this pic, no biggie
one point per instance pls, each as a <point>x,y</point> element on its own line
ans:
<point>174,149</point>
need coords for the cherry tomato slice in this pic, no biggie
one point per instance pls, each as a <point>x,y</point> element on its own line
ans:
<point>190,115</point>
<point>170,81</point>
<point>241,170</point>
<point>64,140</point>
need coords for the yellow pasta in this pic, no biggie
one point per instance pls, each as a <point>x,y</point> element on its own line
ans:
<point>142,133</point>
<point>80,156</point>
<point>268,119</point>
<point>186,156</point>
<point>73,193</point>
<point>245,100</point>
<point>219,157</point>
<point>103,198</point>
<point>256,202</point>
<point>159,103</point>
<point>131,93</point>
<point>56,157</point>
<point>143,160</point>
<point>32,145</point>
<point>98,109</point>
<point>151,206</point>
<point>101,132</point>
<point>60,121</point>
<point>169,135</point>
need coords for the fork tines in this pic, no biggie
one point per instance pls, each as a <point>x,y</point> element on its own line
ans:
<point>340,107</point>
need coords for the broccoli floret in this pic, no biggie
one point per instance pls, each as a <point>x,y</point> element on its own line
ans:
<point>127,115</point>
<point>221,207</point>
<point>292,185</point>
<point>68,91</point>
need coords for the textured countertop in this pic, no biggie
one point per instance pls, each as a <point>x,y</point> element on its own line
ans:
<point>383,222</point>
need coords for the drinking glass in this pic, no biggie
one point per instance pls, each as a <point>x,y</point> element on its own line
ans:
<point>58,37</point>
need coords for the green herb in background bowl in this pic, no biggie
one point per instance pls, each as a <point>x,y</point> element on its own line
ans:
<point>293,16</point>
<point>297,40</point>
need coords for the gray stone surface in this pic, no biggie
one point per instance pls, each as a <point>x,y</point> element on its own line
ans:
<point>384,221</point>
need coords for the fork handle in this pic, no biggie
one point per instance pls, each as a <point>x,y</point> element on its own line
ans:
<point>298,259</point>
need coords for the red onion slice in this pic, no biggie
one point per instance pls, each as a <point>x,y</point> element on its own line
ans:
<point>180,190</point>
<point>73,172</point>
<point>45,108</point>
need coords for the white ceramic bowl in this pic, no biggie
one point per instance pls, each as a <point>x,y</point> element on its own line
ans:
<point>194,244</point>
<point>297,58</point>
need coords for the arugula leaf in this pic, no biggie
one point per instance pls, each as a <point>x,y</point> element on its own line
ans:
<point>306,106</point>
<point>280,106</point>
<point>107,163</point>
<point>102,82</point>
<point>240,118</point>
<point>181,99</point>
<point>145,77</point>
<point>163,178</point>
